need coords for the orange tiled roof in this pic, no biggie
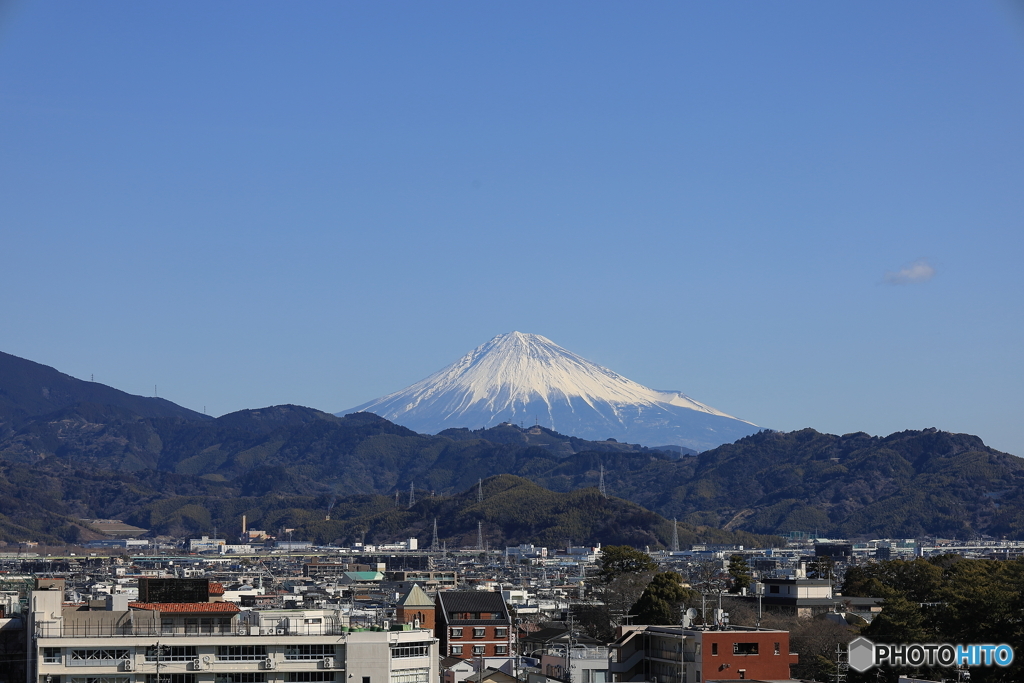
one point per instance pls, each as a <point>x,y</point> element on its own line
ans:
<point>216,588</point>
<point>186,607</point>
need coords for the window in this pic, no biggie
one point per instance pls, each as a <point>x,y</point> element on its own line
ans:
<point>743,673</point>
<point>242,678</point>
<point>241,653</point>
<point>309,676</point>
<point>51,655</point>
<point>308,651</point>
<point>479,649</point>
<point>698,676</point>
<point>714,649</point>
<point>773,589</point>
<point>366,679</point>
<point>456,649</point>
<point>501,649</point>
<point>191,625</point>
<point>501,632</point>
<point>97,657</point>
<point>410,650</point>
<point>744,648</point>
<point>312,621</point>
<point>97,679</point>
<point>171,678</point>
<point>777,650</point>
<point>456,633</point>
<point>411,676</point>
<point>167,625</point>
<point>479,632</point>
<point>170,653</point>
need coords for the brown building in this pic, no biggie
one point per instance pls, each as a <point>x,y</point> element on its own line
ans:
<point>472,624</point>
<point>416,608</point>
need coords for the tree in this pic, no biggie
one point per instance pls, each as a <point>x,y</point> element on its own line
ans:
<point>739,570</point>
<point>617,560</point>
<point>662,600</point>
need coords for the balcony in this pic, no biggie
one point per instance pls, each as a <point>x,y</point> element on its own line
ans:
<point>156,631</point>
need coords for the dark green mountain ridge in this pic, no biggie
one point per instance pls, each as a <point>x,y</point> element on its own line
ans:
<point>906,484</point>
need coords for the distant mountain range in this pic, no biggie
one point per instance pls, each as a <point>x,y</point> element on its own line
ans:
<point>527,378</point>
<point>175,471</point>
<point>29,390</point>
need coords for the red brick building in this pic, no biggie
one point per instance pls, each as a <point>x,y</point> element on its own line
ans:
<point>472,624</point>
<point>676,655</point>
<point>416,608</point>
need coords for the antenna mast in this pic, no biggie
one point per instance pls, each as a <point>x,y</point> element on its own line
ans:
<point>479,490</point>
<point>675,535</point>
<point>412,494</point>
<point>480,535</point>
<point>600,483</point>
<point>433,543</point>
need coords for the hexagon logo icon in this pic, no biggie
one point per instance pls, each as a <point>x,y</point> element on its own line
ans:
<point>862,654</point>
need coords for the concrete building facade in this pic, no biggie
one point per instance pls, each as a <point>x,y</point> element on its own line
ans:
<point>214,643</point>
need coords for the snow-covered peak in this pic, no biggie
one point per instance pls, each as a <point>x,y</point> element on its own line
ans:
<point>517,369</point>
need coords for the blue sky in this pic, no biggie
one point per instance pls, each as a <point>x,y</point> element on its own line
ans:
<point>248,204</point>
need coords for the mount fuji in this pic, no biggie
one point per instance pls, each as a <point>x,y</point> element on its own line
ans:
<point>518,377</point>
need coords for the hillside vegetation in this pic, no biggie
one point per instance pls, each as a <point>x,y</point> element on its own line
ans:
<point>107,459</point>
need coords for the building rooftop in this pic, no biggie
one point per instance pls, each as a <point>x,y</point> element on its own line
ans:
<point>471,601</point>
<point>416,597</point>
<point>187,607</point>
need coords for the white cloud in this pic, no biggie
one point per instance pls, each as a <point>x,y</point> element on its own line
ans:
<point>918,271</point>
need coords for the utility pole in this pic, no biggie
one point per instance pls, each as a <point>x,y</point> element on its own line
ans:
<point>682,643</point>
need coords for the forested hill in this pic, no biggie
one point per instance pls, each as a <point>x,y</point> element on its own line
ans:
<point>906,484</point>
<point>29,390</point>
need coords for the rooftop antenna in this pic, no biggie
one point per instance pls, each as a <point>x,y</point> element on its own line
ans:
<point>433,544</point>
<point>412,494</point>
<point>479,490</point>
<point>675,535</point>
<point>154,391</point>
<point>600,483</point>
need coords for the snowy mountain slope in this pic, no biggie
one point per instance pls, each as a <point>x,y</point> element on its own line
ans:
<point>527,378</point>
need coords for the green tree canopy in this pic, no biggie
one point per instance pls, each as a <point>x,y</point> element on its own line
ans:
<point>661,601</point>
<point>617,560</point>
<point>739,570</point>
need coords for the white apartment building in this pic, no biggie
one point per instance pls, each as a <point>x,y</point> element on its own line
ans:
<point>214,643</point>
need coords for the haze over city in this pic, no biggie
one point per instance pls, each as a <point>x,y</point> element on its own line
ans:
<point>804,216</point>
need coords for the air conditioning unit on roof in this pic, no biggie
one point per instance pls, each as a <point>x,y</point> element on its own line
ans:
<point>128,665</point>
<point>269,663</point>
<point>328,662</point>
